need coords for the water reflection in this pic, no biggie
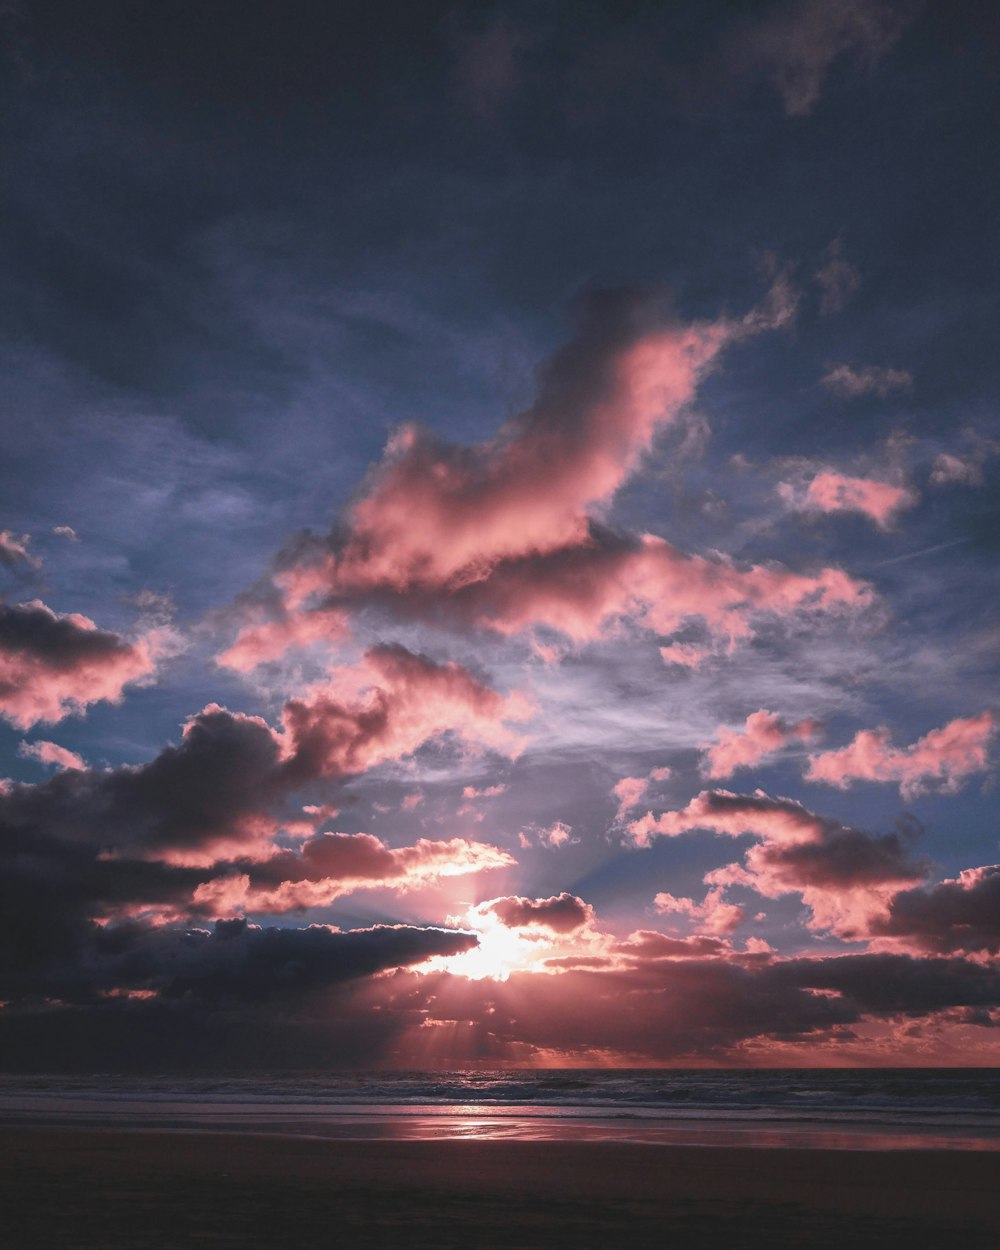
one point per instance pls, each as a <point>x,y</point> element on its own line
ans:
<point>469,1122</point>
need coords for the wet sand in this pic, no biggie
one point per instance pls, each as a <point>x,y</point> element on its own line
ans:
<point>112,1188</point>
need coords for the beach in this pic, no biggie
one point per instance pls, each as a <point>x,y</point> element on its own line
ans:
<point>132,1188</point>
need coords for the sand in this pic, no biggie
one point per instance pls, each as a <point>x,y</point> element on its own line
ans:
<point>112,1188</point>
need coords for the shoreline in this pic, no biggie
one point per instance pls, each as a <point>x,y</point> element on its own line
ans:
<point>514,1126</point>
<point>765,1129</point>
<point>108,1187</point>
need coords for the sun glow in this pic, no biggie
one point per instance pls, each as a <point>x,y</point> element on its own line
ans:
<point>500,952</point>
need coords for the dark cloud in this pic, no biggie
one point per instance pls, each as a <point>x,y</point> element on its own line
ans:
<point>236,998</point>
<point>845,875</point>
<point>52,664</point>
<point>659,1005</point>
<point>958,915</point>
<point>562,913</point>
<point>215,787</point>
<point>887,985</point>
<point>216,792</point>
<point>649,944</point>
<point>244,962</point>
<point>795,43</point>
<point>192,832</point>
<point>234,961</point>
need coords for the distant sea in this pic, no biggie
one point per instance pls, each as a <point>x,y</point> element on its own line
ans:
<point>941,1108</point>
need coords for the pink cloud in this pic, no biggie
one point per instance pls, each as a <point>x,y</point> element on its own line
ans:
<point>870,380</point>
<point>507,535</point>
<point>764,733</point>
<point>269,640</point>
<point>949,470</point>
<point>649,946</point>
<point>330,865</point>
<point>52,665</point>
<point>553,836</point>
<point>562,913</point>
<point>487,792</point>
<point>440,515</point>
<point>388,705</point>
<point>941,760</point>
<point>630,790</point>
<point>226,790</point>
<point>586,591</point>
<point>834,492</point>
<point>712,915</point>
<point>685,654</point>
<point>51,753</point>
<point>14,551</point>
<point>846,877</point>
<point>556,835</point>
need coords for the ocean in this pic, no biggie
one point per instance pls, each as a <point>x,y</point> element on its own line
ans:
<point>941,1108</point>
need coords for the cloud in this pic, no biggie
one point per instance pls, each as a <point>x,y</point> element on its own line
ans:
<point>585,592</point>
<point>258,644</point>
<point>53,665</point>
<point>329,865</point>
<point>838,280</point>
<point>388,705</point>
<point>510,534</point>
<point>220,791</point>
<point>648,947</point>
<point>684,654</point>
<point>317,994</point>
<point>667,1000</point>
<point>941,760</point>
<point>851,383</point>
<point>487,792</point>
<point>830,491</point>
<point>844,875</point>
<point>14,553</point>
<point>488,64</point>
<point>240,962</point>
<point>471,795</point>
<point>555,835</point>
<point>950,470</point>
<point>797,42</point>
<point>434,514</point>
<point>562,913</point>
<point>630,791</point>
<point>712,915</point>
<point>59,896</point>
<point>889,984</point>
<point>763,734</point>
<point>193,832</point>
<point>960,914</point>
<point>66,531</point>
<point>51,753</point>
<point>243,961</point>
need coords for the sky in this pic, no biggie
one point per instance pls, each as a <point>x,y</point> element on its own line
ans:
<point>498,534</point>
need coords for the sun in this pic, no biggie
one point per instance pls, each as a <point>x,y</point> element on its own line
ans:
<point>500,952</point>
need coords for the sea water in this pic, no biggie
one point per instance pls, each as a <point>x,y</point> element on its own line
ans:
<point>953,1108</point>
